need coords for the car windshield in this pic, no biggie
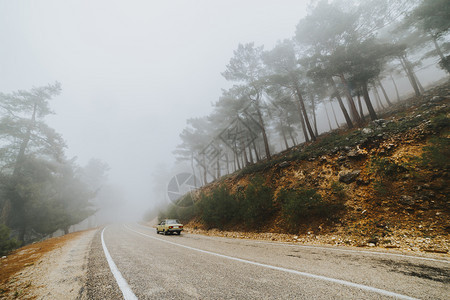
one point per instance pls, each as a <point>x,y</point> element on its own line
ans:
<point>172,222</point>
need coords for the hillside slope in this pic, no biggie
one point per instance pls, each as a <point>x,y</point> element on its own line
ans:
<point>384,185</point>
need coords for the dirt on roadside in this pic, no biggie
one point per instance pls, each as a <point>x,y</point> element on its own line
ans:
<point>25,271</point>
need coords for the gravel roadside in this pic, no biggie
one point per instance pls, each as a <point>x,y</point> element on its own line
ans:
<point>57,274</point>
<point>100,281</point>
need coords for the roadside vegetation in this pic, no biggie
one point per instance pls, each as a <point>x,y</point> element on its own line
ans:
<point>385,184</point>
<point>41,190</point>
<point>335,69</point>
<point>7,243</point>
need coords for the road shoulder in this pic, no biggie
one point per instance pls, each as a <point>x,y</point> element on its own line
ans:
<point>52,269</point>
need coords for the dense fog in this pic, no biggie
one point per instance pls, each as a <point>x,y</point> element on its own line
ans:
<point>141,89</point>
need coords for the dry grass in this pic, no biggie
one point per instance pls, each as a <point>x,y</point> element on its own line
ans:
<point>24,257</point>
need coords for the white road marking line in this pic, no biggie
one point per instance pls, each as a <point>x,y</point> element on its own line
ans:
<point>123,285</point>
<point>335,249</point>
<point>309,275</point>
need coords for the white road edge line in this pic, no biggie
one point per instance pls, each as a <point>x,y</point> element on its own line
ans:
<point>339,250</point>
<point>304,274</point>
<point>123,285</point>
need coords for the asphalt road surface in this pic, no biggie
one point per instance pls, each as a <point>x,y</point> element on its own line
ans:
<point>133,262</point>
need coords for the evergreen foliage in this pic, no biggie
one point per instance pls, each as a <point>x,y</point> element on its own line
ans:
<point>6,242</point>
<point>257,203</point>
<point>219,208</point>
<point>41,191</point>
<point>299,205</point>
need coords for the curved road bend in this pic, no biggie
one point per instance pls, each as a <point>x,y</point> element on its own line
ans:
<point>151,266</point>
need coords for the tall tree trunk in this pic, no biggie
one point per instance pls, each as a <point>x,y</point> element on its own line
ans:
<point>334,113</point>
<point>313,105</point>
<point>328,117</point>
<point>384,92</point>
<point>245,156</point>
<point>341,104</point>
<point>284,135</point>
<point>305,114</point>
<point>250,155</point>
<point>236,156</point>
<point>193,169</point>
<point>422,90</point>
<point>263,128</point>
<point>302,123</point>
<point>361,111</point>
<point>373,115</point>
<point>218,168</point>
<point>396,88</point>
<point>205,172</point>
<point>294,142</point>
<point>409,73</point>
<point>256,151</point>
<point>351,103</point>
<point>439,51</point>
<point>436,46</point>
<point>378,98</point>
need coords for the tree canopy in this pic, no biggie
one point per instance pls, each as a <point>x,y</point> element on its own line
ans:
<point>342,50</point>
<point>41,190</point>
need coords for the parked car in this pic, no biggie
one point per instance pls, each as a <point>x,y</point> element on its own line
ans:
<point>169,226</point>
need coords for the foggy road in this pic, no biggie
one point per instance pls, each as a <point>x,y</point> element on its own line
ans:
<point>151,266</point>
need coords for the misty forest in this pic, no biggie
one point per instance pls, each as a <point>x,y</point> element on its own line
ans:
<point>41,190</point>
<point>339,62</point>
<point>338,71</point>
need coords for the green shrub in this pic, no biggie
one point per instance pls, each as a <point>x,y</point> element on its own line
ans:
<point>437,153</point>
<point>185,201</point>
<point>169,212</point>
<point>440,122</point>
<point>219,208</point>
<point>186,214</point>
<point>338,189</point>
<point>182,213</point>
<point>386,167</point>
<point>402,126</point>
<point>256,204</point>
<point>6,242</point>
<point>380,188</point>
<point>298,206</point>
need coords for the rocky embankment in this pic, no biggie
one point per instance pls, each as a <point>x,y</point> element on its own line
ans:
<point>392,176</point>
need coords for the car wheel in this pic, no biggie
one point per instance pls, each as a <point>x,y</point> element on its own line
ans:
<point>179,232</point>
<point>166,232</point>
<point>157,231</point>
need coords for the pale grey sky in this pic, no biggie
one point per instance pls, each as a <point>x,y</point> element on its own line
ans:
<point>132,72</point>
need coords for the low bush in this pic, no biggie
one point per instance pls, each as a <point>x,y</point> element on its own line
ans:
<point>298,206</point>
<point>183,213</point>
<point>218,208</point>
<point>6,242</point>
<point>338,190</point>
<point>386,167</point>
<point>169,213</point>
<point>437,153</point>
<point>440,122</point>
<point>256,203</point>
<point>381,188</point>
